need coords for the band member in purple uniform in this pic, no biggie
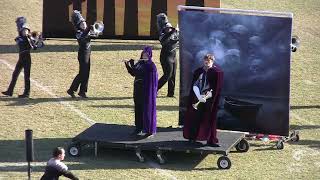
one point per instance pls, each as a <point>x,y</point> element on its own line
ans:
<point>145,92</point>
<point>25,44</point>
<point>200,121</point>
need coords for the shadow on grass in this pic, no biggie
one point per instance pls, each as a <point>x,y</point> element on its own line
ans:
<point>13,159</point>
<point>32,101</point>
<point>6,49</point>
<point>159,107</point>
<point>306,107</point>
<point>108,41</point>
<point>303,127</point>
<point>315,144</point>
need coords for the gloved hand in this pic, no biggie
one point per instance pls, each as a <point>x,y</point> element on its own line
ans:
<point>209,94</point>
<point>202,99</point>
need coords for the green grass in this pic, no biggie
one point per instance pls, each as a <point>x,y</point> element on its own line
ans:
<point>111,88</point>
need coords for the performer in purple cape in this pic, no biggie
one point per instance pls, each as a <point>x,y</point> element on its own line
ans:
<point>200,121</point>
<point>145,92</point>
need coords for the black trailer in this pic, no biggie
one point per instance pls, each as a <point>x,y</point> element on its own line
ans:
<point>166,139</point>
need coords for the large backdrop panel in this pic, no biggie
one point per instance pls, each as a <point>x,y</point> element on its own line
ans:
<point>254,52</point>
<point>126,19</point>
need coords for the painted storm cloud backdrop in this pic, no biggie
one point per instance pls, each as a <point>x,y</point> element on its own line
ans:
<point>254,53</point>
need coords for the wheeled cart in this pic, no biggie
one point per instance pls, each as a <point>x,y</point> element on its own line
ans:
<point>166,139</point>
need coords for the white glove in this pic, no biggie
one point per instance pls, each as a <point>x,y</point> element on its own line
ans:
<point>197,92</point>
<point>209,94</point>
<point>202,99</point>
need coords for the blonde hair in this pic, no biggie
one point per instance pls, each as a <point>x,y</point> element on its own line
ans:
<point>210,57</point>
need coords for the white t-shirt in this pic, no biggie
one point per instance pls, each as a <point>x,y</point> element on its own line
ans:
<point>57,164</point>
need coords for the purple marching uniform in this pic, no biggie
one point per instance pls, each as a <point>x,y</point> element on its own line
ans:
<point>145,93</point>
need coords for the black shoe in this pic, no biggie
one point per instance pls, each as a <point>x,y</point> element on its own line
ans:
<point>148,135</point>
<point>192,141</point>
<point>213,145</point>
<point>23,96</point>
<point>170,95</point>
<point>83,95</point>
<point>7,93</point>
<point>71,93</point>
<point>136,132</point>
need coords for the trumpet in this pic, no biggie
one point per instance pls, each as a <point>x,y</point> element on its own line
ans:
<point>195,105</point>
<point>97,29</point>
<point>36,39</point>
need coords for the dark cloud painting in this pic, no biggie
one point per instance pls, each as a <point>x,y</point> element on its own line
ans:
<point>254,53</point>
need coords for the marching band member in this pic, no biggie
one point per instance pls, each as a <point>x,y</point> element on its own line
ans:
<point>168,37</point>
<point>25,44</point>
<point>145,92</point>
<point>200,121</point>
<point>83,35</point>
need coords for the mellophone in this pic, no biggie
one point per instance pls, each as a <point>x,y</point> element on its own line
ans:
<point>195,105</point>
<point>96,29</point>
<point>36,38</point>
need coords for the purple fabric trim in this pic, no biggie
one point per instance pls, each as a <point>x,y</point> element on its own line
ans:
<point>150,89</point>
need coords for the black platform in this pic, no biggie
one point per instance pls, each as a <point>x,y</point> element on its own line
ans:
<point>170,139</point>
<point>166,139</point>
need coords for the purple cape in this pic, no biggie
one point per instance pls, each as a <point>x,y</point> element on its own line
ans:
<point>150,90</point>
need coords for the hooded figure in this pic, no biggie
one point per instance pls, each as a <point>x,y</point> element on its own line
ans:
<point>145,92</point>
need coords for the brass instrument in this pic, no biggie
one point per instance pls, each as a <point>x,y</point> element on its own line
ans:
<point>195,105</point>
<point>97,29</point>
<point>36,39</point>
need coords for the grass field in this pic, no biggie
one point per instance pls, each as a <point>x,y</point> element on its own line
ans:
<point>55,118</point>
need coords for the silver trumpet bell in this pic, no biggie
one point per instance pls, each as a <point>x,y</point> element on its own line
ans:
<point>295,42</point>
<point>37,39</point>
<point>97,29</point>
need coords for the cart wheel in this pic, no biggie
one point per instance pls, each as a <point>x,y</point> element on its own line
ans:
<point>280,145</point>
<point>139,156</point>
<point>74,150</point>
<point>296,138</point>
<point>161,159</point>
<point>224,162</point>
<point>243,146</point>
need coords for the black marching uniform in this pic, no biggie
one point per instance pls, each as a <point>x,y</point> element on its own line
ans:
<point>169,42</point>
<point>24,62</point>
<point>84,52</point>
<point>137,70</point>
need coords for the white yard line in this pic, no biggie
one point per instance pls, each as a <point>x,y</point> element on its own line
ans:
<point>43,88</point>
<point>83,116</point>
